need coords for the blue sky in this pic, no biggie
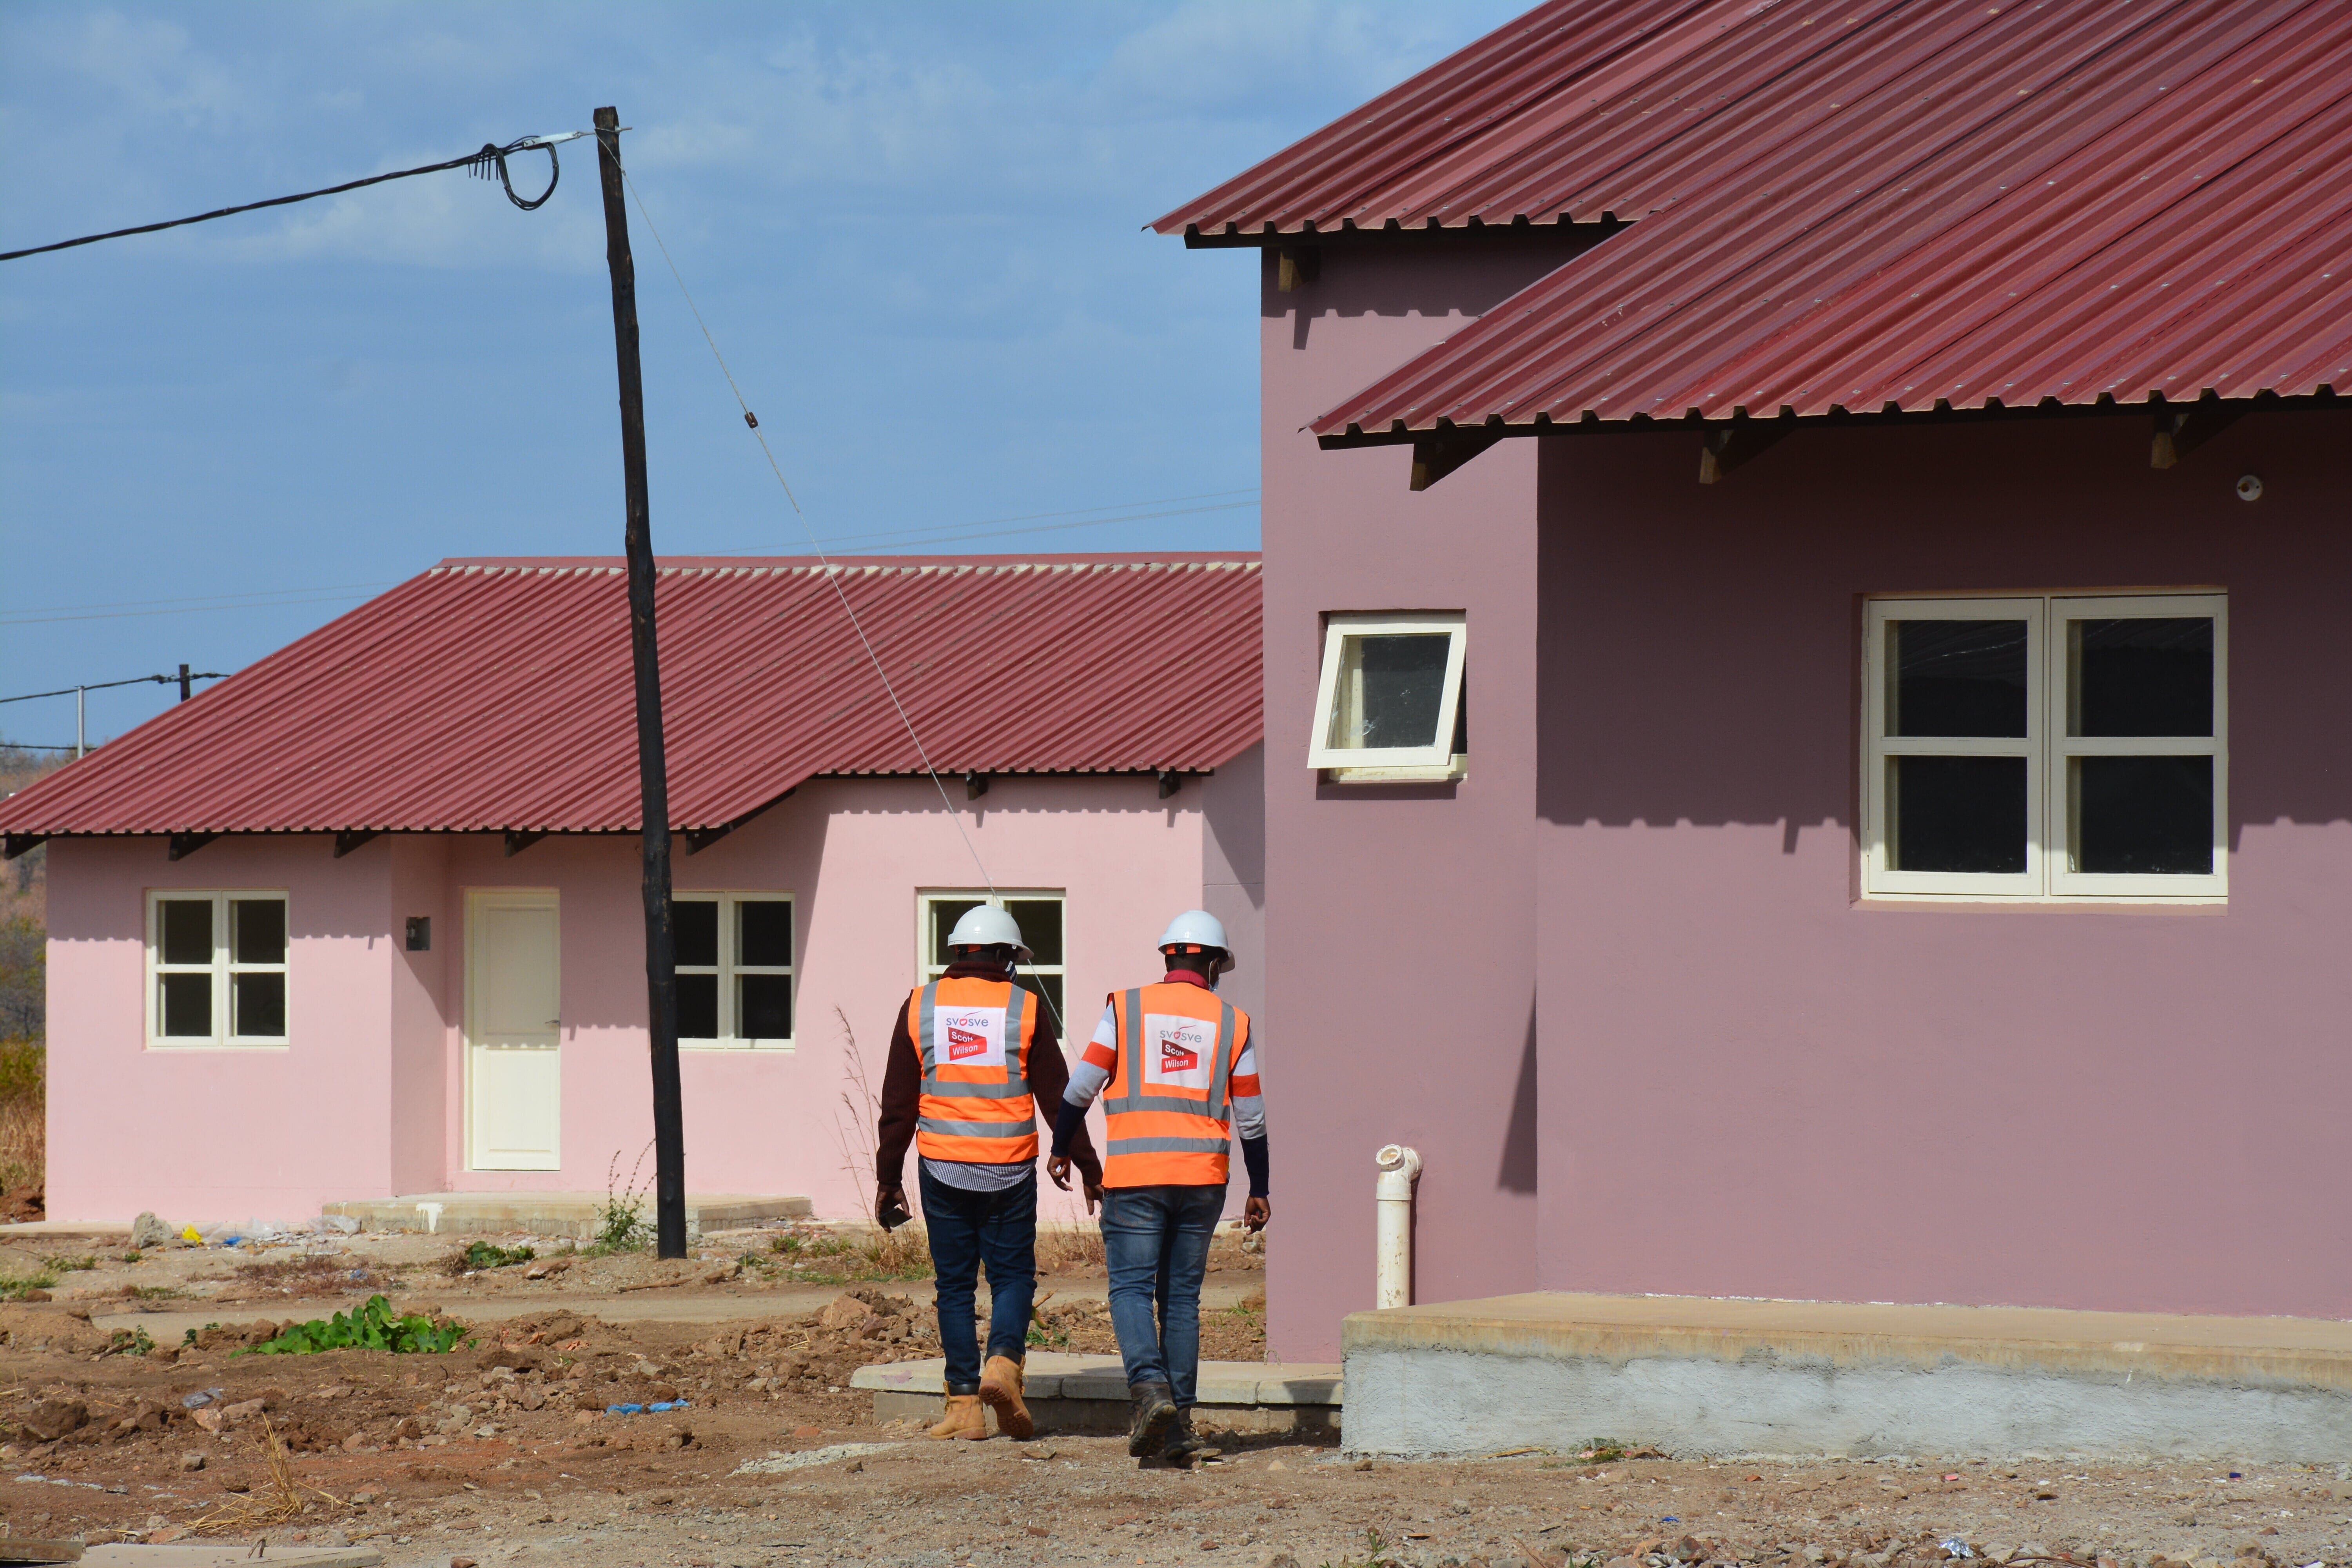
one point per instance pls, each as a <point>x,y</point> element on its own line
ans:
<point>916,228</point>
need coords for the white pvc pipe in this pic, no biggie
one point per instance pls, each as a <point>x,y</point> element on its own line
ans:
<point>1399,1166</point>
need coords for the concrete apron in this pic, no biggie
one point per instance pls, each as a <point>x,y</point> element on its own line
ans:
<point>1088,1393</point>
<point>580,1215</point>
<point>1701,1377</point>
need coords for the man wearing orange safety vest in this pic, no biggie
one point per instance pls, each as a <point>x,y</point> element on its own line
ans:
<point>972,1057</point>
<point>1176,1071</point>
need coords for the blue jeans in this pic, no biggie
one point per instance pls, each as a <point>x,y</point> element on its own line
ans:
<point>1157,1241</point>
<point>969,1228</point>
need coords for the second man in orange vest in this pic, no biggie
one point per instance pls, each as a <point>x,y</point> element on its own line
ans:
<point>1176,1071</point>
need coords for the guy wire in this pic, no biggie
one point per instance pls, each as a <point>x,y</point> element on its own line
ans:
<point>752,423</point>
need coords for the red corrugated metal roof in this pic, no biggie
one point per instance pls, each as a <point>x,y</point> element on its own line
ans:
<point>1514,128</point>
<point>1874,207</point>
<point>496,694</point>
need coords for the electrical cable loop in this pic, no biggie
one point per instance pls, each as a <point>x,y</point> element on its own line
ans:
<point>494,157</point>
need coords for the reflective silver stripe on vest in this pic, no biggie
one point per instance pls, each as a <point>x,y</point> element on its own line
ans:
<point>1217,1107</point>
<point>1130,1050</point>
<point>1016,1055</point>
<point>1228,1053</point>
<point>1118,1146</point>
<point>979,1129</point>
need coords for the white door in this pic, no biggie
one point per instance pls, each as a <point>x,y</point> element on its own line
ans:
<point>513,1082</point>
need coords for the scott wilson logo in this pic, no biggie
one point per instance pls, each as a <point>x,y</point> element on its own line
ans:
<point>1176,1055</point>
<point>962,1043</point>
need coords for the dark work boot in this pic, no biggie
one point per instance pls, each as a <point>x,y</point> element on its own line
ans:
<point>1155,1412</point>
<point>1182,1442</point>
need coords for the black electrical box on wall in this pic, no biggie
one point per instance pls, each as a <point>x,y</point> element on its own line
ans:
<point>420,933</point>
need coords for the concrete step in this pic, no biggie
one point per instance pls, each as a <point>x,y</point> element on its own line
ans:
<point>729,1304</point>
<point>228,1555</point>
<point>1084,1392</point>
<point>1704,1376</point>
<point>580,1215</point>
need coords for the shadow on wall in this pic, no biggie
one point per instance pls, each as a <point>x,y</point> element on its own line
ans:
<point>1517,1172</point>
<point>1433,278</point>
<point>1699,647</point>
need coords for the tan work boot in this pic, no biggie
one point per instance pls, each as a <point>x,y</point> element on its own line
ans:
<point>999,1390</point>
<point>964,1419</point>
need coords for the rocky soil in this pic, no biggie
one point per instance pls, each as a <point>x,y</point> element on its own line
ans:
<point>503,1452</point>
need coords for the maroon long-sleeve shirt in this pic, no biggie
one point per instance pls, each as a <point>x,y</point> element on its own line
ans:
<point>902,1088</point>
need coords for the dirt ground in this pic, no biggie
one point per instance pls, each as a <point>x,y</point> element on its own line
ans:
<point>503,1452</point>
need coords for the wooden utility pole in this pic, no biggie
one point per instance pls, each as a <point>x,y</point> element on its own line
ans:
<point>652,771</point>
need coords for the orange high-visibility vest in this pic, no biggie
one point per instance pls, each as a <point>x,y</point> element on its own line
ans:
<point>1168,1106</point>
<point>974,1038</point>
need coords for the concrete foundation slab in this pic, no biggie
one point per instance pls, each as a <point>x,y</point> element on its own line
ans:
<point>1697,1376</point>
<point>580,1215</point>
<point>228,1555</point>
<point>45,1229</point>
<point>1088,1393</point>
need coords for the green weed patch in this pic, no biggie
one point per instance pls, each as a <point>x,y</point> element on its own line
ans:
<point>15,1287</point>
<point>372,1328</point>
<point>489,1254</point>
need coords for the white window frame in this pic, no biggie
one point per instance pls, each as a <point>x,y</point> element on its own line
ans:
<point>2064,882</point>
<point>728,969</point>
<point>1375,764</point>
<point>926,897</point>
<point>223,968</point>
<point>2047,748</point>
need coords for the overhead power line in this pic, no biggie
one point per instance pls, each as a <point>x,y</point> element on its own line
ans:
<point>491,160</point>
<point>135,680</point>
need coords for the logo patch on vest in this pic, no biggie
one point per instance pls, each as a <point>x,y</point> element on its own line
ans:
<point>968,1037</point>
<point>1178,1052</point>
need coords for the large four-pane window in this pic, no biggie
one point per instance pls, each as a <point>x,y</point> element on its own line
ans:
<point>216,968</point>
<point>735,969</point>
<point>2059,746</point>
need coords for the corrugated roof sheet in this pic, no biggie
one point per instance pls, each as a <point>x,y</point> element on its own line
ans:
<point>1874,207</point>
<point>1515,128</point>
<point>496,694</point>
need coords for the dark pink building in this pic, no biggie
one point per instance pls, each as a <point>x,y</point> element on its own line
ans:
<point>1809,659</point>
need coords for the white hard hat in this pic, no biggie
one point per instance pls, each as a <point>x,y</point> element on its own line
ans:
<point>1197,928</point>
<point>985,925</point>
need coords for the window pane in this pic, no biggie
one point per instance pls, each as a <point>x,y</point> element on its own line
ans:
<point>1958,814</point>
<point>763,1007</point>
<point>1956,678</point>
<point>258,1002</point>
<point>1040,921</point>
<point>945,912</point>
<point>187,930</point>
<point>764,931</point>
<point>187,1006</point>
<point>2142,677</point>
<point>1390,689</point>
<point>2150,816</point>
<point>696,924</point>
<point>698,1006</point>
<point>257,932</point>
<point>1050,987</point>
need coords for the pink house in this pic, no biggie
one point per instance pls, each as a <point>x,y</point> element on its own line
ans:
<point>1808,711</point>
<point>362,921</point>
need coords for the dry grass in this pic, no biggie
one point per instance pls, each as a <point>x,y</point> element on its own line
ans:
<point>1070,1252</point>
<point>821,1255</point>
<point>326,1274</point>
<point>23,1125</point>
<point>280,1500</point>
